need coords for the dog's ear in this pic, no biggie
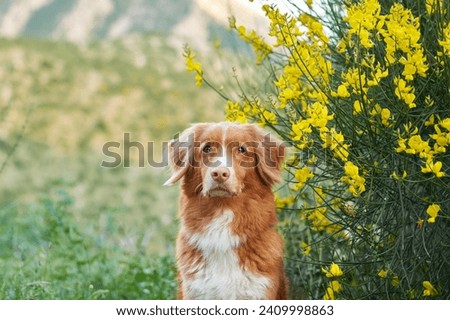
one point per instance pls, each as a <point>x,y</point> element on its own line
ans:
<point>269,157</point>
<point>180,154</point>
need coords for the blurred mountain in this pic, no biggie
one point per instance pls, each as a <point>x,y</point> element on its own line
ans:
<point>193,21</point>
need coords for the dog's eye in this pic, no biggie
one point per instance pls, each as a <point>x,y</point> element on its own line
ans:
<point>241,149</point>
<point>207,149</point>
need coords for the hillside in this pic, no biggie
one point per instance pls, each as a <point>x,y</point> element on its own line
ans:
<point>78,19</point>
<point>194,21</point>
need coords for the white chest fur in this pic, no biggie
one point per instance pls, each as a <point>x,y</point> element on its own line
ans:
<point>219,275</point>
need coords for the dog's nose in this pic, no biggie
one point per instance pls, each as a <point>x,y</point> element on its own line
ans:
<point>220,174</point>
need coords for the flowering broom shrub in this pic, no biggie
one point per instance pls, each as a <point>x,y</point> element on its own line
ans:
<point>362,94</point>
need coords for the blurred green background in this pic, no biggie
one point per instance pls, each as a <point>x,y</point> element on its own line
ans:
<point>73,76</point>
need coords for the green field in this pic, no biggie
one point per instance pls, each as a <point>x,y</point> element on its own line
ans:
<point>48,254</point>
<point>69,228</point>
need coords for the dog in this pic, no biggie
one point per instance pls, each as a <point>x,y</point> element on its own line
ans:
<point>227,246</point>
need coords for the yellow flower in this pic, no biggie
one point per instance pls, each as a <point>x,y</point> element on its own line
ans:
<point>319,195</point>
<point>342,92</point>
<point>193,66</point>
<point>395,177</point>
<point>418,146</point>
<point>433,6</point>
<point>357,107</point>
<point>320,221</point>
<point>395,281</point>
<point>433,167</point>
<point>445,123</point>
<point>414,63</point>
<point>385,117</point>
<point>382,273</point>
<point>432,211</point>
<point>404,27</point>
<point>334,271</point>
<point>333,288</point>
<point>267,117</point>
<point>363,18</point>
<point>234,112</point>
<point>282,202</point>
<point>353,179</point>
<point>336,286</point>
<point>319,115</point>
<point>260,47</point>
<point>302,175</point>
<point>404,92</point>
<point>428,289</point>
<point>442,139</point>
<point>401,145</point>
<point>306,248</point>
<point>312,160</point>
<point>356,79</point>
<point>282,26</point>
<point>341,152</point>
<point>314,28</point>
<point>334,140</point>
<point>377,76</point>
<point>430,121</point>
<point>300,130</point>
<point>350,169</point>
<point>198,79</point>
<point>329,294</point>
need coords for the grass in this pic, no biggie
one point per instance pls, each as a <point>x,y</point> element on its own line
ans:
<point>47,254</point>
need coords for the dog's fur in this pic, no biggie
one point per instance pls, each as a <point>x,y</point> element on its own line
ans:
<point>227,246</point>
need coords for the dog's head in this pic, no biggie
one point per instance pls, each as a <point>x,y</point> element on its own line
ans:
<point>223,159</point>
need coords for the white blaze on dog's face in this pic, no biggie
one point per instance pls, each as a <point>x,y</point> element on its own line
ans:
<point>222,159</point>
<point>220,168</point>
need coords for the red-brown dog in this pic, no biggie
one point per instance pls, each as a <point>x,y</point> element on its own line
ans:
<point>227,246</point>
